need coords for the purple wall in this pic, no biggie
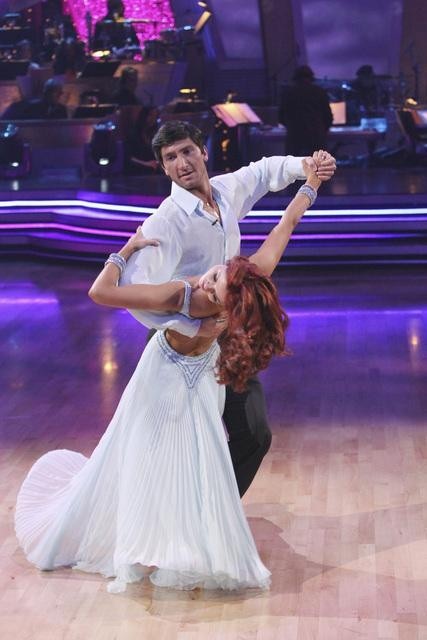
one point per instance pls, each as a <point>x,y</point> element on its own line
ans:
<point>239,25</point>
<point>341,35</point>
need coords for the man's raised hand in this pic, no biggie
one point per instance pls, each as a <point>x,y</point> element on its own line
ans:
<point>325,163</point>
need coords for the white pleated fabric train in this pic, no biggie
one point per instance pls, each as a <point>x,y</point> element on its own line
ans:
<point>159,489</point>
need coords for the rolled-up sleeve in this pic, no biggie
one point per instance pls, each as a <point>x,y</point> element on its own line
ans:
<point>247,185</point>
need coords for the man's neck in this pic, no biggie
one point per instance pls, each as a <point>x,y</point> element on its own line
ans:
<point>206,196</point>
<point>203,192</point>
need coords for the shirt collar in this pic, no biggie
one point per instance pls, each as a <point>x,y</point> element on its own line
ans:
<point>187,200</point>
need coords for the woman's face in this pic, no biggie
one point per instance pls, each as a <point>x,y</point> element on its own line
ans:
<point>214,282</point>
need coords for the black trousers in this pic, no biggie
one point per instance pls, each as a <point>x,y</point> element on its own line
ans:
<point>249,436</point>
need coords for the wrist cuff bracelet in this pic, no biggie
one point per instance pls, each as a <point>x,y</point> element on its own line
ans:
<point>118,260</point>
<point>309,192</point>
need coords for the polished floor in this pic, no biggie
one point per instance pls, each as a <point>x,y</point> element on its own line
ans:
<point>338,509</point>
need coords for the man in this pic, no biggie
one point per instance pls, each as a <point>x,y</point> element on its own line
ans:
<point>113,31</point>
<point>47,107</point>
<point>197,226</point>
<point>306,113</point>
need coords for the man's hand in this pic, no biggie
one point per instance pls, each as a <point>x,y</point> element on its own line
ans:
<point>325,163</point>
<point>213,326</point>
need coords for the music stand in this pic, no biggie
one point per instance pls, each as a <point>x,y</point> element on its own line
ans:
<point>105,69</point>
<point>12,68</point>
<point>94,111</point>
<point>235,113</point>
<point>14,35</point>
<point>233,139</point>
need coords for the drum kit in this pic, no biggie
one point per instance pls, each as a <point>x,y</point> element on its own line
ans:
<point>383,93</point>
<point>171,45</point>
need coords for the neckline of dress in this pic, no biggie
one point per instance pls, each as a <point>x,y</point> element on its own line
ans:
<point>167,347</point>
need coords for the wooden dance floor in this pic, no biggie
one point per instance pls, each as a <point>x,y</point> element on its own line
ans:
<point>338,509</point>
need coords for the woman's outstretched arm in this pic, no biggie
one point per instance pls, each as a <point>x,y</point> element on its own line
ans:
<point>268,255</point>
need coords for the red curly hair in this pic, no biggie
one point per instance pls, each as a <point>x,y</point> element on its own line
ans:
<point>256,324</point>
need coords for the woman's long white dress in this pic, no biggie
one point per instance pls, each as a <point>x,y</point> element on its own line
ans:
<point>159,489</point>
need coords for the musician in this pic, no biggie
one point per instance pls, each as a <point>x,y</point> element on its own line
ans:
<point>126,93</point>
<point>47,107</point>
<point>113,32</point>
<point>69,58</point>
<point>365,88</point>
<point>305,111</point>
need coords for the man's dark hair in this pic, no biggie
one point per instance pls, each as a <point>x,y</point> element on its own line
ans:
<point>174,131</point>
<point>303,73</point>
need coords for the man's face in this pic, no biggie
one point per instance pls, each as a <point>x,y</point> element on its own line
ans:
<point>185,163</point>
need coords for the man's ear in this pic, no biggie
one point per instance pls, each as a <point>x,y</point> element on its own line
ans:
<point>205,153</point>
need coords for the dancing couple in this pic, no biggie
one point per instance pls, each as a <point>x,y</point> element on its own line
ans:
<point>159,495</point>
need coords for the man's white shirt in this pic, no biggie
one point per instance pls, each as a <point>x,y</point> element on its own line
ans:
<point>192,240</point>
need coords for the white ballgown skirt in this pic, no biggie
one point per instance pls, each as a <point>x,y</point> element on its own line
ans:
<point>158,491</point>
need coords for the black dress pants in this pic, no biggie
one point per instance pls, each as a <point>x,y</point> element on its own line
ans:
<point>249,436</point>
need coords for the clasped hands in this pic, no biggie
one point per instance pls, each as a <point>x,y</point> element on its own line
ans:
<point>322,163</point>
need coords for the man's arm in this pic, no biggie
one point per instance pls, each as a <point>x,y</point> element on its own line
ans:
<point>247,185</point>
<point>155,265</point>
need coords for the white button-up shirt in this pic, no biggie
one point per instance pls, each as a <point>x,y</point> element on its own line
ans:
<point>192,240</point>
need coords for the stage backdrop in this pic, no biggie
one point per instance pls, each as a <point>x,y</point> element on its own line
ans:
<point>340,36</point>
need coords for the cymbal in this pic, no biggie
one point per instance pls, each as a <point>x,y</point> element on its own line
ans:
<point>127,20</point>
<point>139,20</point>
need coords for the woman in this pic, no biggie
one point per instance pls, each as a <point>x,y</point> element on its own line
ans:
<point>158,494</point>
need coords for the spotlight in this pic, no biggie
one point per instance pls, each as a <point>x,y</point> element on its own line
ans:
<point>103,144</point>
<point>14,154</point>
<point>104,153</point>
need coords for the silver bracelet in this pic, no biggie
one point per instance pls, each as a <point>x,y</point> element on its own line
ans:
<point>118,260</point>
<point>309,192</point>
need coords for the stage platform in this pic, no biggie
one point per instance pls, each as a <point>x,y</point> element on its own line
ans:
<point>364,215</point>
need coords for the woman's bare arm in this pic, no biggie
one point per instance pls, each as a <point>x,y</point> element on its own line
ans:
<point>167,297</point>
<point>268,255</point>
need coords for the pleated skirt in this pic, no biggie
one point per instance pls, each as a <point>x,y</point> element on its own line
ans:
<point>158,491</point>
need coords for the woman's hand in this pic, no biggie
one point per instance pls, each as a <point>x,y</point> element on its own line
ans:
<point>136,242</point>
<point>311,173</point>
<point>310,167</point>
<point>326,165</point>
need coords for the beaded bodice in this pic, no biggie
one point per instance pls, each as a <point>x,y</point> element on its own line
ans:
<point>192,367</point>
